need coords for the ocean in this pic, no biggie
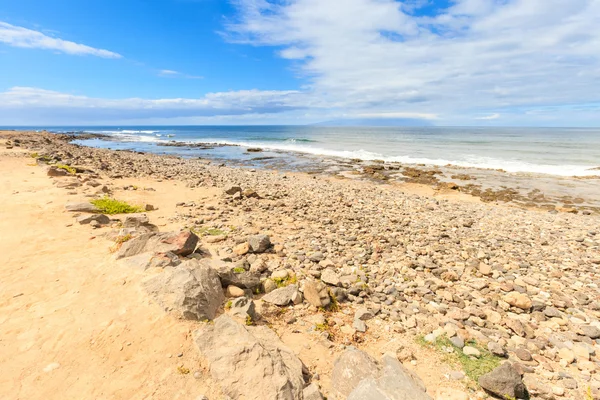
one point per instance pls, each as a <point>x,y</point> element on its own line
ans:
<point>555,151</point>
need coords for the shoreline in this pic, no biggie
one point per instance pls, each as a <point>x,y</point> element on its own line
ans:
<point>526,190</point>
<point>416,264</point>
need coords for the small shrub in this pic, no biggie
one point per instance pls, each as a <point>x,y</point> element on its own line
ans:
<point>67,168</point>
<point>228,305</point>
<point>238,270</point>
<point>110,206</point>
<point>183,370</point>
<point>283,282</point>
<point>249,320</point>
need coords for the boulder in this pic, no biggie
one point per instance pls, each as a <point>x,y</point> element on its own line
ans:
<point>312,392</point>
<point>190,290</point>
<point>179,243</point>
<point>259,243</point>
<point>282,296</point>
<point>504,381</point>
<point>519,300</point>
<point>357,376</point>
<point>100,218</point>
<point>250,362</point>
<point>81,207</point>
<point>316,293</point>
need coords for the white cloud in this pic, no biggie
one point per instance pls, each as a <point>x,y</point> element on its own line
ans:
<point>169,73</point>
<point>489,117</point>
<point>17,36</point>
<point>476,57</point>
<point>25,105</point>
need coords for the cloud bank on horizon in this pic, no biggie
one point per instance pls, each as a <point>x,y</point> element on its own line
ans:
<point>472,62</point>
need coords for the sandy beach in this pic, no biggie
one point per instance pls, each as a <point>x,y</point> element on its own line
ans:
<point>418,270</point>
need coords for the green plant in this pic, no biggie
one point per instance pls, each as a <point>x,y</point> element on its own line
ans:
<point>67,168</point>
<point>473,367</point>
<point>283,282</point>
<point>238,270</point>
<point>34,155</point>
<point>228,305</point>
<point>334,305</point>
<point>110,206</point>
<point>123,239</point>
<point>249,320</point>
<point>207,231</point>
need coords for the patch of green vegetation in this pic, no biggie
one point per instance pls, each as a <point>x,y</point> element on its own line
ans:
<point>249,320</point>
<point>207,231</point>
<point>283,282</point>
<point>67,168</point>
<point>473,367</point>
<point>228,305</point>
<point>238,270</point>
<point>334,306</point>
<point>34,155</point>
<point>109,206</point>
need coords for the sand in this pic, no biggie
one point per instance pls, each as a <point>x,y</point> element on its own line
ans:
<point>72,325</point>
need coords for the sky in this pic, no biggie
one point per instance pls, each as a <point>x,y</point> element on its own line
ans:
<point>178,62</point>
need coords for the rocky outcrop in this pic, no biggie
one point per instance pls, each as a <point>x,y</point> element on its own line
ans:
<point>357,376</point>
<point>250,362</point>
<point>190,290</point>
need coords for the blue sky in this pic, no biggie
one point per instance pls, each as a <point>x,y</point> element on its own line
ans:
<point>462,62</point>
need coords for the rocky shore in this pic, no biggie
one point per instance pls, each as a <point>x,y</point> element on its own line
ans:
<point>508,297</point>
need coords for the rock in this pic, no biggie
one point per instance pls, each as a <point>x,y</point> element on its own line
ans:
<point>316,293</point>
<point>471,351</point>
<point>523,354</point>
<point>251,194</point>
<point>54,171</point>
<point>282,296</point>
<point>457,341</point>
<point>269,285</point>
<point>330,277</point>
<point>100,218</point>
<point>349,369</point>
<point>590,331</point>
<point>81,207</point>
<point>234,291</point>
<point>259,243</point>
<point>316,257</point>
<point>241,249</point>
<point>231,190</point>
<point>312,392</point>
<point>135,220</point>
<point>504,381</point>
<point>191,290</point>
<point>250,362</point>
<point>230,275</point>
<point>243,307</point>
<point>359,325</point>
<point>179,243</point>
<point>566,355</point>
<point>363,314</point>
<point>358,377</point>
<point>519,300</point>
